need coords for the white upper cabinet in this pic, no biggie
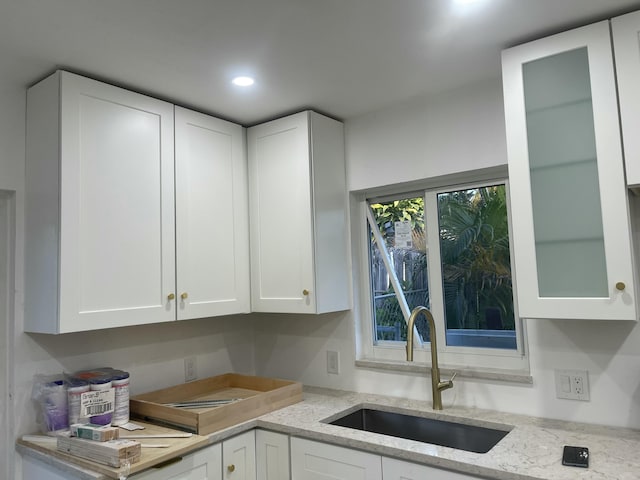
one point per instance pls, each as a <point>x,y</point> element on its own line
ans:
<point>298,215</point>
<point>571,235</point>
<point>212,224</point>
<point>99,207</point>
<point>108,242</point>
<point>626,42</point>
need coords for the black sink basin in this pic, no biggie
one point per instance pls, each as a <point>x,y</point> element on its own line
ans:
<point>471,438</point>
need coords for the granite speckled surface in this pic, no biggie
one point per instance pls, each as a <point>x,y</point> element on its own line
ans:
<point>532,449</point>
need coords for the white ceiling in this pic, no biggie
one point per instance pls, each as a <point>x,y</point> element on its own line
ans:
<point>341,57</point>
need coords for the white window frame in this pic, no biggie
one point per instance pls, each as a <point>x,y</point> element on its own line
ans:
<point>471,358</point>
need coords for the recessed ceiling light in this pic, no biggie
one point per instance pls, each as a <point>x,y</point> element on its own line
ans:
<point>243,81</point>
<point>465,2</point>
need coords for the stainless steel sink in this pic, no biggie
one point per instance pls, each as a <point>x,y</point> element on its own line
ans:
<point>471,438</point>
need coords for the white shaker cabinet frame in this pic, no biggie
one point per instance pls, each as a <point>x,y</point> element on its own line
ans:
<point>212,218</point>
<point>100,248</point>
<point>626,42</point>
<point>616,299</point>
<point>298,215</point>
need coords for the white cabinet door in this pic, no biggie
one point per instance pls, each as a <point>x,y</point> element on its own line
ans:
<point>393,469</point>
<point>319,461</point>
<point>239,457</point>
<point>626,42</point>
<point>298,213</point>
<point>212,224</point>
<point>205,464</point>
<point>33,469</point>
<point>571,235</point>
<point>99,208</point>
<point>272,456</point>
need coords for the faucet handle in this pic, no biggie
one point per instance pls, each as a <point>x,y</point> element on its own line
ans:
<point>447,383</point>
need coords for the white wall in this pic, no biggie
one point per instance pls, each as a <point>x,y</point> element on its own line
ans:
<point>425,138</point>
<point>153,354</point>
<point>12,118</point>
<point>7,233</point>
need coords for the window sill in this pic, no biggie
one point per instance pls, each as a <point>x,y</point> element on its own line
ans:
<point>512,376</point>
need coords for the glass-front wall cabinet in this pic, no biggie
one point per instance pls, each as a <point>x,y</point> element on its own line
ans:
<point>572,244</point>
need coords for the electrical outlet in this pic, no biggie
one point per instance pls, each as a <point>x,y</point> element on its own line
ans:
<point>572,384</point>
<point>190,369</point>
<point>333,362</point>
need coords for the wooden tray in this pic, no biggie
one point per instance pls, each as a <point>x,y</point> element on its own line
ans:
<point>259,396</point>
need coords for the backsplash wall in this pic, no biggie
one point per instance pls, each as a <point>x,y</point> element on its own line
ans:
<point>433,137</point>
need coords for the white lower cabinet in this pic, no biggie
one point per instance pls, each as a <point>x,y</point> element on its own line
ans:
<point>319,461</point>
<point>393,469</point>
<point>263,455</point>
<point>33,469</point>
<point>239,457</point>
<point>272,456</point>
<point>205,464</point>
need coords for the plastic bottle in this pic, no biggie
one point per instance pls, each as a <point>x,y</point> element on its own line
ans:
<point>101,384</point>
<point>120,382</point>
<point>75,389</point>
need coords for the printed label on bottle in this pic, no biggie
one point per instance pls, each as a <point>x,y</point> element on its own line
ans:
<point>97,402</point>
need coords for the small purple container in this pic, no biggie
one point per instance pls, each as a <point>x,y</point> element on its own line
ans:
<point>101,384</point>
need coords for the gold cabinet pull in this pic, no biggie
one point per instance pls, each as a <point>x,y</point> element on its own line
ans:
<point>184,296</point>
<point>620,286</point>
<point>171,296</point>
<point>305,292</point>
<point>231,467</point>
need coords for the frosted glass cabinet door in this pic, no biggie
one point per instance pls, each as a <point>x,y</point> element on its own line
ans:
<point>571,235</point>
<point>212,224</point>
<point>626,43</point>
<point>100,207</point>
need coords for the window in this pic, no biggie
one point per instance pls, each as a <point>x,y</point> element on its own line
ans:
<point>446,249</point>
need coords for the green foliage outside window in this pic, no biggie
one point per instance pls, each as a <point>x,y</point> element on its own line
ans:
<point>474,250</point>
<point>476,268</point>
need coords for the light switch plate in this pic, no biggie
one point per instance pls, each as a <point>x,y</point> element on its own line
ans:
<point>190,369</point>
<point>333,362</point>
<point>572,384</point>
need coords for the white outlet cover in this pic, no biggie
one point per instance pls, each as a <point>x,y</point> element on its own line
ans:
<point>572,384</point>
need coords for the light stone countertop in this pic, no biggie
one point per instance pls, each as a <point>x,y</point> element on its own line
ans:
<point>532,450</point>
